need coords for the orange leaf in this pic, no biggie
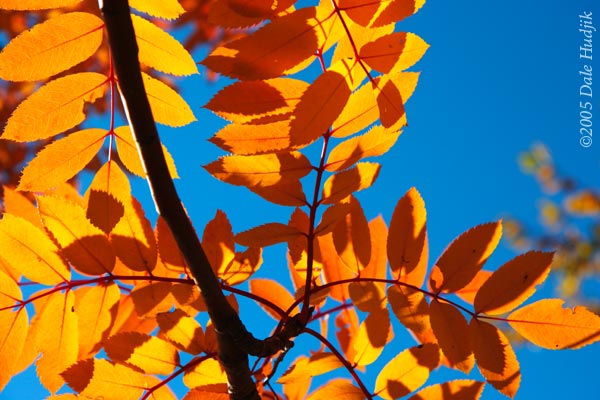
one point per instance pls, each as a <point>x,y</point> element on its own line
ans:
<point>150,354</point>
<point>377,267</point>
<point>61,160</point>
<point>333,268</point>
<point>253,139</point>
<point>374,143</point>
<point>495,357</point>
<point>453,390</point>
<point>241,267</point>
<point>19,205</point>
<point>367,296</point>
<point>181,330</point>
<point>267,235</point>
<point>218,241</point>
<point>407,371</point>
<point>406,242</point>
<point>317,364</point>
<point>465,256</point>
<point>513,283</point>
<point>469,292</point>
<point>167,9</point>
<point>35,4</point>
<point>151,298</point>
<point>29,251</point>
<point>394,90</point>
<point>547,324</point>
<point>57,338</point>
<point>451,330</point>
<point>321,103</point>
<point>161,51</point>
<point>412,310</point>
<point>352,239</point>
<point>337,388</point>
<point>395,10</point>
<point>168,249</point>
<point>106,196</point>
<point>54,107</point>
<point>331,217</point>
<point>208,392</point>
<point>208,372</point>
<point>50,47</point>
<point>276,294</point>
<point>133,239</point>
<point>168,107</point>
<point>398,51</point>
<point>347,326</point>
<point>260,170</point>
<point>96,309</point>
<point>271,50</point>
<point>130,157</point>
<point>286,194</point>
<point>94,379</point>
<point>344,183</point>
<point>84,245</point>
<point>360,112</point>
<point>247,100</point>
<point>373,334</point>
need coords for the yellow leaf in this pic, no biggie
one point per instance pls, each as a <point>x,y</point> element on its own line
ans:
<point>35,4</point>
<point>360,112</point>
<point>55,107</point>
<point>106,196</point>
<point>337,388</point>
<point>407,371</point>
<point>513,283</point>
<point>208,372</point>
<point>168,107</point>
<point>468,292</point>
<point>352,238</point>
<point>398,51</point>
<point>94,379</point>
<point>547,324</point>
<point>167,9</point>
<point>395,10</point>
<point>168,250</point>
<point>412,310</point>
<point>394,90</point>
<point>57,338</point>
<point>367,296</point>
<point>375,142</point>
<point>333,268</point>
<point>344,183</point>
<point>85,246</point>
<point>260,170</point>
<point>241,267</point>
<point>151,298</point>
<point>453,390</point>
<point>28,250</point>
<point>464,257</point>
<point>377,267</point>
<point>61,160</point>
<point>331,217</point>
<point>148,353</point>
<point>373,334</point>
<point>495,357</point>
<point>252,139</point>
<point>452,332</point>
<point>19,205</point>
<point>181,330</point>
<point>51,47</point>
<point>159,50</point>
<point>317,364</point>
<point>275,294</point>
<point>130,157</point>
<point>95,307</point>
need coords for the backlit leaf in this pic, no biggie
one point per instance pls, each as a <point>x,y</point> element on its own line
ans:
<point>452,332</point>
<point>333,268</point>
<point>373,334</point>
<point>252,139</point>
<point>57,338</point>
<point>208,372</point>
<point>13,328</point>
<point>513,283</point>
<point>375,142</point>
<point>160,50</point>
<point>286,194</point>
<point>61,160</point>
<point>95,307</point>
<point>398,50</point>
<point>407,371</point>
<point>267,235</point>
<point>35,4</point>
<point>106,196</point>
<point>95,379</point>
<point>377,267</point>
<point>181,330</point>
<point>453,390</point>
<point>241,267</point>
<point>321,103</point>
<point>218,241</point>
<point>344,183</point>
<point>28,250</point>
<point>54,107</point>
<point>148,353</point>
<point>367,296</point>
<point>17,204</point>
<point>407,237</point>
<point>352,239</point>
<point>393,91</point>
<point>151,298</point>
<point>317,364</point>
<point>412,310</point>
<point>347,326</point>
<point>260,170</point>
<point>337,388</point>
<point>167,247</point>
<point>85,246</point>
<point>167,9</point>
<point>52,46</point>
<point>465,256</point>
<point>495,357</point>
<point>275,293</point>
<point>468,292</point>
<point>168,107</point>
<point>548,324</point>
<point>331,217</point>
<point>395,10</point>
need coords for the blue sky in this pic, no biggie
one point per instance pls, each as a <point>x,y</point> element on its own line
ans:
<point>498,77</point>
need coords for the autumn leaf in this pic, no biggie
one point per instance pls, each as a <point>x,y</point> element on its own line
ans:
<point>61,160</point>
<point>344,183</point>
<point>360,112</point>
<point>183,331</point>
<point>54,107</point>
<point>373,334</point>
<point>453,390</point>
<point>412,310</point>
<point>168,107</point>
<point>207,372</point>
<point>286,194</point>
<point>367,296</point>
<point>452,332</point>
<point>331,217</point>
<point>35,4</point>
<point>465,256</point>
<point>407,371</point>
<point>468,292</point>
<point>351,238</point>
<point>315,365</point>
<point>267,235</point>
<point>398,50</point>
<point>168,250</point>
<point>340,388</point>
<point>275,295</point>
<point>251,139</point>
<point>17,204</point>
<point>547,324</point>
<point>106,196</point>
<point>149,354</point>
<point>51,47</point>
<point>167,9</point>
<point>513,283</point>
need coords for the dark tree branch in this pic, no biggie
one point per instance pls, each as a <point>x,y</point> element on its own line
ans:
<point>124,50</point>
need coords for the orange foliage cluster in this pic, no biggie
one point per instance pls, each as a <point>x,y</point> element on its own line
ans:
<point>113,297</point>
